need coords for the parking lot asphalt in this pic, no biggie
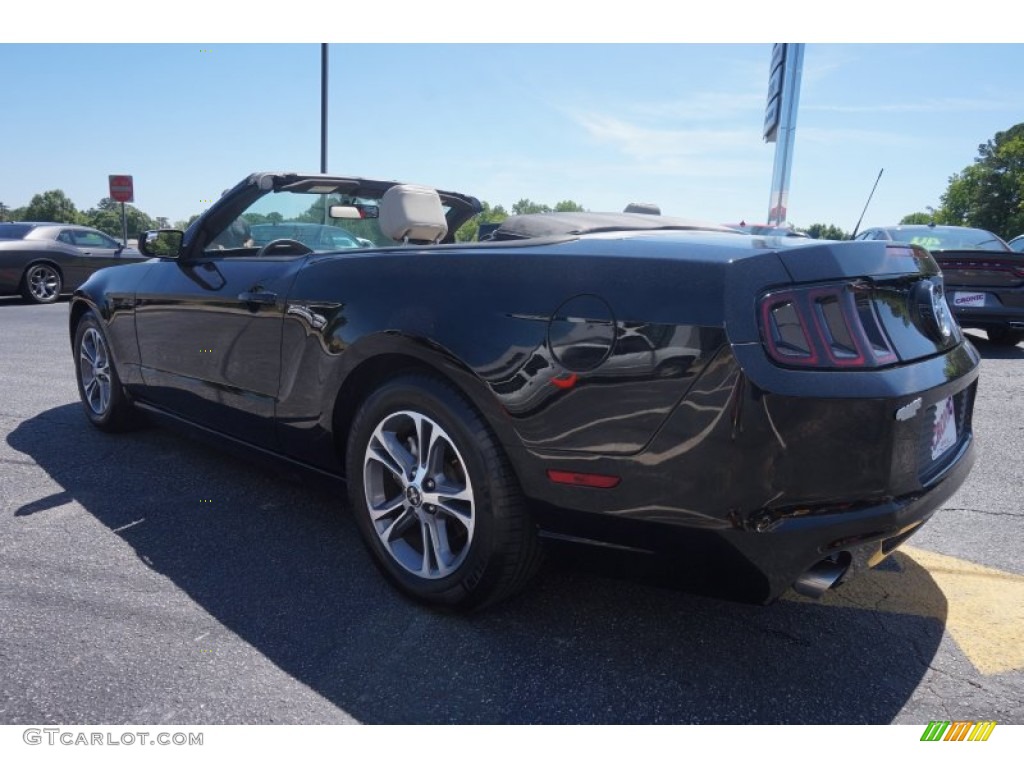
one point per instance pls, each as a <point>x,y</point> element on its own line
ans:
<point>150,578</point>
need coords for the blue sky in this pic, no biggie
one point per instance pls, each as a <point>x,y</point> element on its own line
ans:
<point>678,124</point>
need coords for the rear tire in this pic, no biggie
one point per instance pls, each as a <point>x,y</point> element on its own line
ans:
<point>103,397</point>
<point>1005,337</point>
<point>435,498</point>
<point>41,283</point>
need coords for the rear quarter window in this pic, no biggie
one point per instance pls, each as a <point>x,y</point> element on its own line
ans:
<point>14,231</point>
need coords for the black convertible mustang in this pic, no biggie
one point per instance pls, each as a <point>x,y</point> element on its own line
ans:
<point>782,409</point>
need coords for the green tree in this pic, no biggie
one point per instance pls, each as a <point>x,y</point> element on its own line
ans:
<point>469,231</point>
<point>960,198</point>
<point>108,204</point>
<point>497,214</point>
<point>106,217</point>
<point>315,213</point>
<point>920,217</point>
<point>827,232</point>
<point>990,193</point>
<point>139,222</point>
<point>104,221</point>
<point>53,205</point>
<point>569,206</point>
<point>528,206</point>
<point>184,224</point>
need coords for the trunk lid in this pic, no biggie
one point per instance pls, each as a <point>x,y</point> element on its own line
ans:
<point>897,290</point>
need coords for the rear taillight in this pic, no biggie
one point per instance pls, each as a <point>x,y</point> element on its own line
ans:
<point>982,264</point>
<point>833,326</point>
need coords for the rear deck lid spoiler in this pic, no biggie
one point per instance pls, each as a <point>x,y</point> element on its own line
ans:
<point>835,260</point>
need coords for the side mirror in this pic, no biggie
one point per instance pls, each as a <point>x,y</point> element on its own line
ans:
<point>162,243</point>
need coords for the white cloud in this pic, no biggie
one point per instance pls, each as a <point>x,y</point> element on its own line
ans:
<point>710,106</point>
<point>921,107</point>
<point>854,136</point>
<point>661,144</point>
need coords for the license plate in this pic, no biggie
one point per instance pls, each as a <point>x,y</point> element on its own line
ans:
<point>944,431</point>
<point>962,299</point>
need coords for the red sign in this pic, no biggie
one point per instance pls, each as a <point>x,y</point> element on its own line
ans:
<point>122,189</point>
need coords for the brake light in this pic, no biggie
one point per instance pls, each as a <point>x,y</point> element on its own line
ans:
<point>788,335</point>
<point>981,264</point>
<point>824,327</point>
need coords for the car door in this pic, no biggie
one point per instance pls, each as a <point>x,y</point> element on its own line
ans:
<point>209,332</point>
<point>95,251</point>
<point>74,266</point>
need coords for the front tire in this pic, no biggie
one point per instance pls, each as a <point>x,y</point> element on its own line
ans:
<point>1005,337</point>
<point>99,387</point>
<point>435,498</point>
<point>41,283</point>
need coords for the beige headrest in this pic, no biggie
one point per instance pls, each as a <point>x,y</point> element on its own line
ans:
<point>411,213</point>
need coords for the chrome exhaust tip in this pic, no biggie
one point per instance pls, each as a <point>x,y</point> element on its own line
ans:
<point>820,578</point>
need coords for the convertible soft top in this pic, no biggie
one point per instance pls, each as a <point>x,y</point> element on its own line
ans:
<point>531,225</point>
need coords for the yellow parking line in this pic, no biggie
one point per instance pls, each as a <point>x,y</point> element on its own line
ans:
<point>983,608</point>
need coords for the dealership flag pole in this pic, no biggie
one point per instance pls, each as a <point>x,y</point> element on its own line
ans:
<point>780,121</point>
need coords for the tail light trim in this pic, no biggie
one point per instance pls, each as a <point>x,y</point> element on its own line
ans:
<point>832,320</point>
<point>780,348</point>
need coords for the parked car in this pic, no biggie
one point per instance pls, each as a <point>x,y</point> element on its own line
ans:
<point>42,260</point>
<point>984,278</point>
<point>319,237</point>
<point>1017,243</point>
<point>783,412</point>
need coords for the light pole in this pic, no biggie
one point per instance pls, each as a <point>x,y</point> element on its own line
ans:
<point>323,107</point>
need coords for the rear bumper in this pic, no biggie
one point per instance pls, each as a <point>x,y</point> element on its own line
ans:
<point>1002,307</point>
<point>856,538</point>
<point>991,318</point>
<point>761,485</point>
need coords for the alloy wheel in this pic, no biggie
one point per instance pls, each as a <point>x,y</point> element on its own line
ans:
<point>43,283</point>
<point>94,366</point>
<point>419,495</point>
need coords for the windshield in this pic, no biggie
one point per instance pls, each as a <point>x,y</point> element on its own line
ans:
<point>948,238</point>
<point>305,217</point>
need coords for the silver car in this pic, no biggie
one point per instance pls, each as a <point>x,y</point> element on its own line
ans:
<point>42,260</point>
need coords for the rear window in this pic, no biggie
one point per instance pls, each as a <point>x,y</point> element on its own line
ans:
<point>949,239</point>
<point>11,231</point>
